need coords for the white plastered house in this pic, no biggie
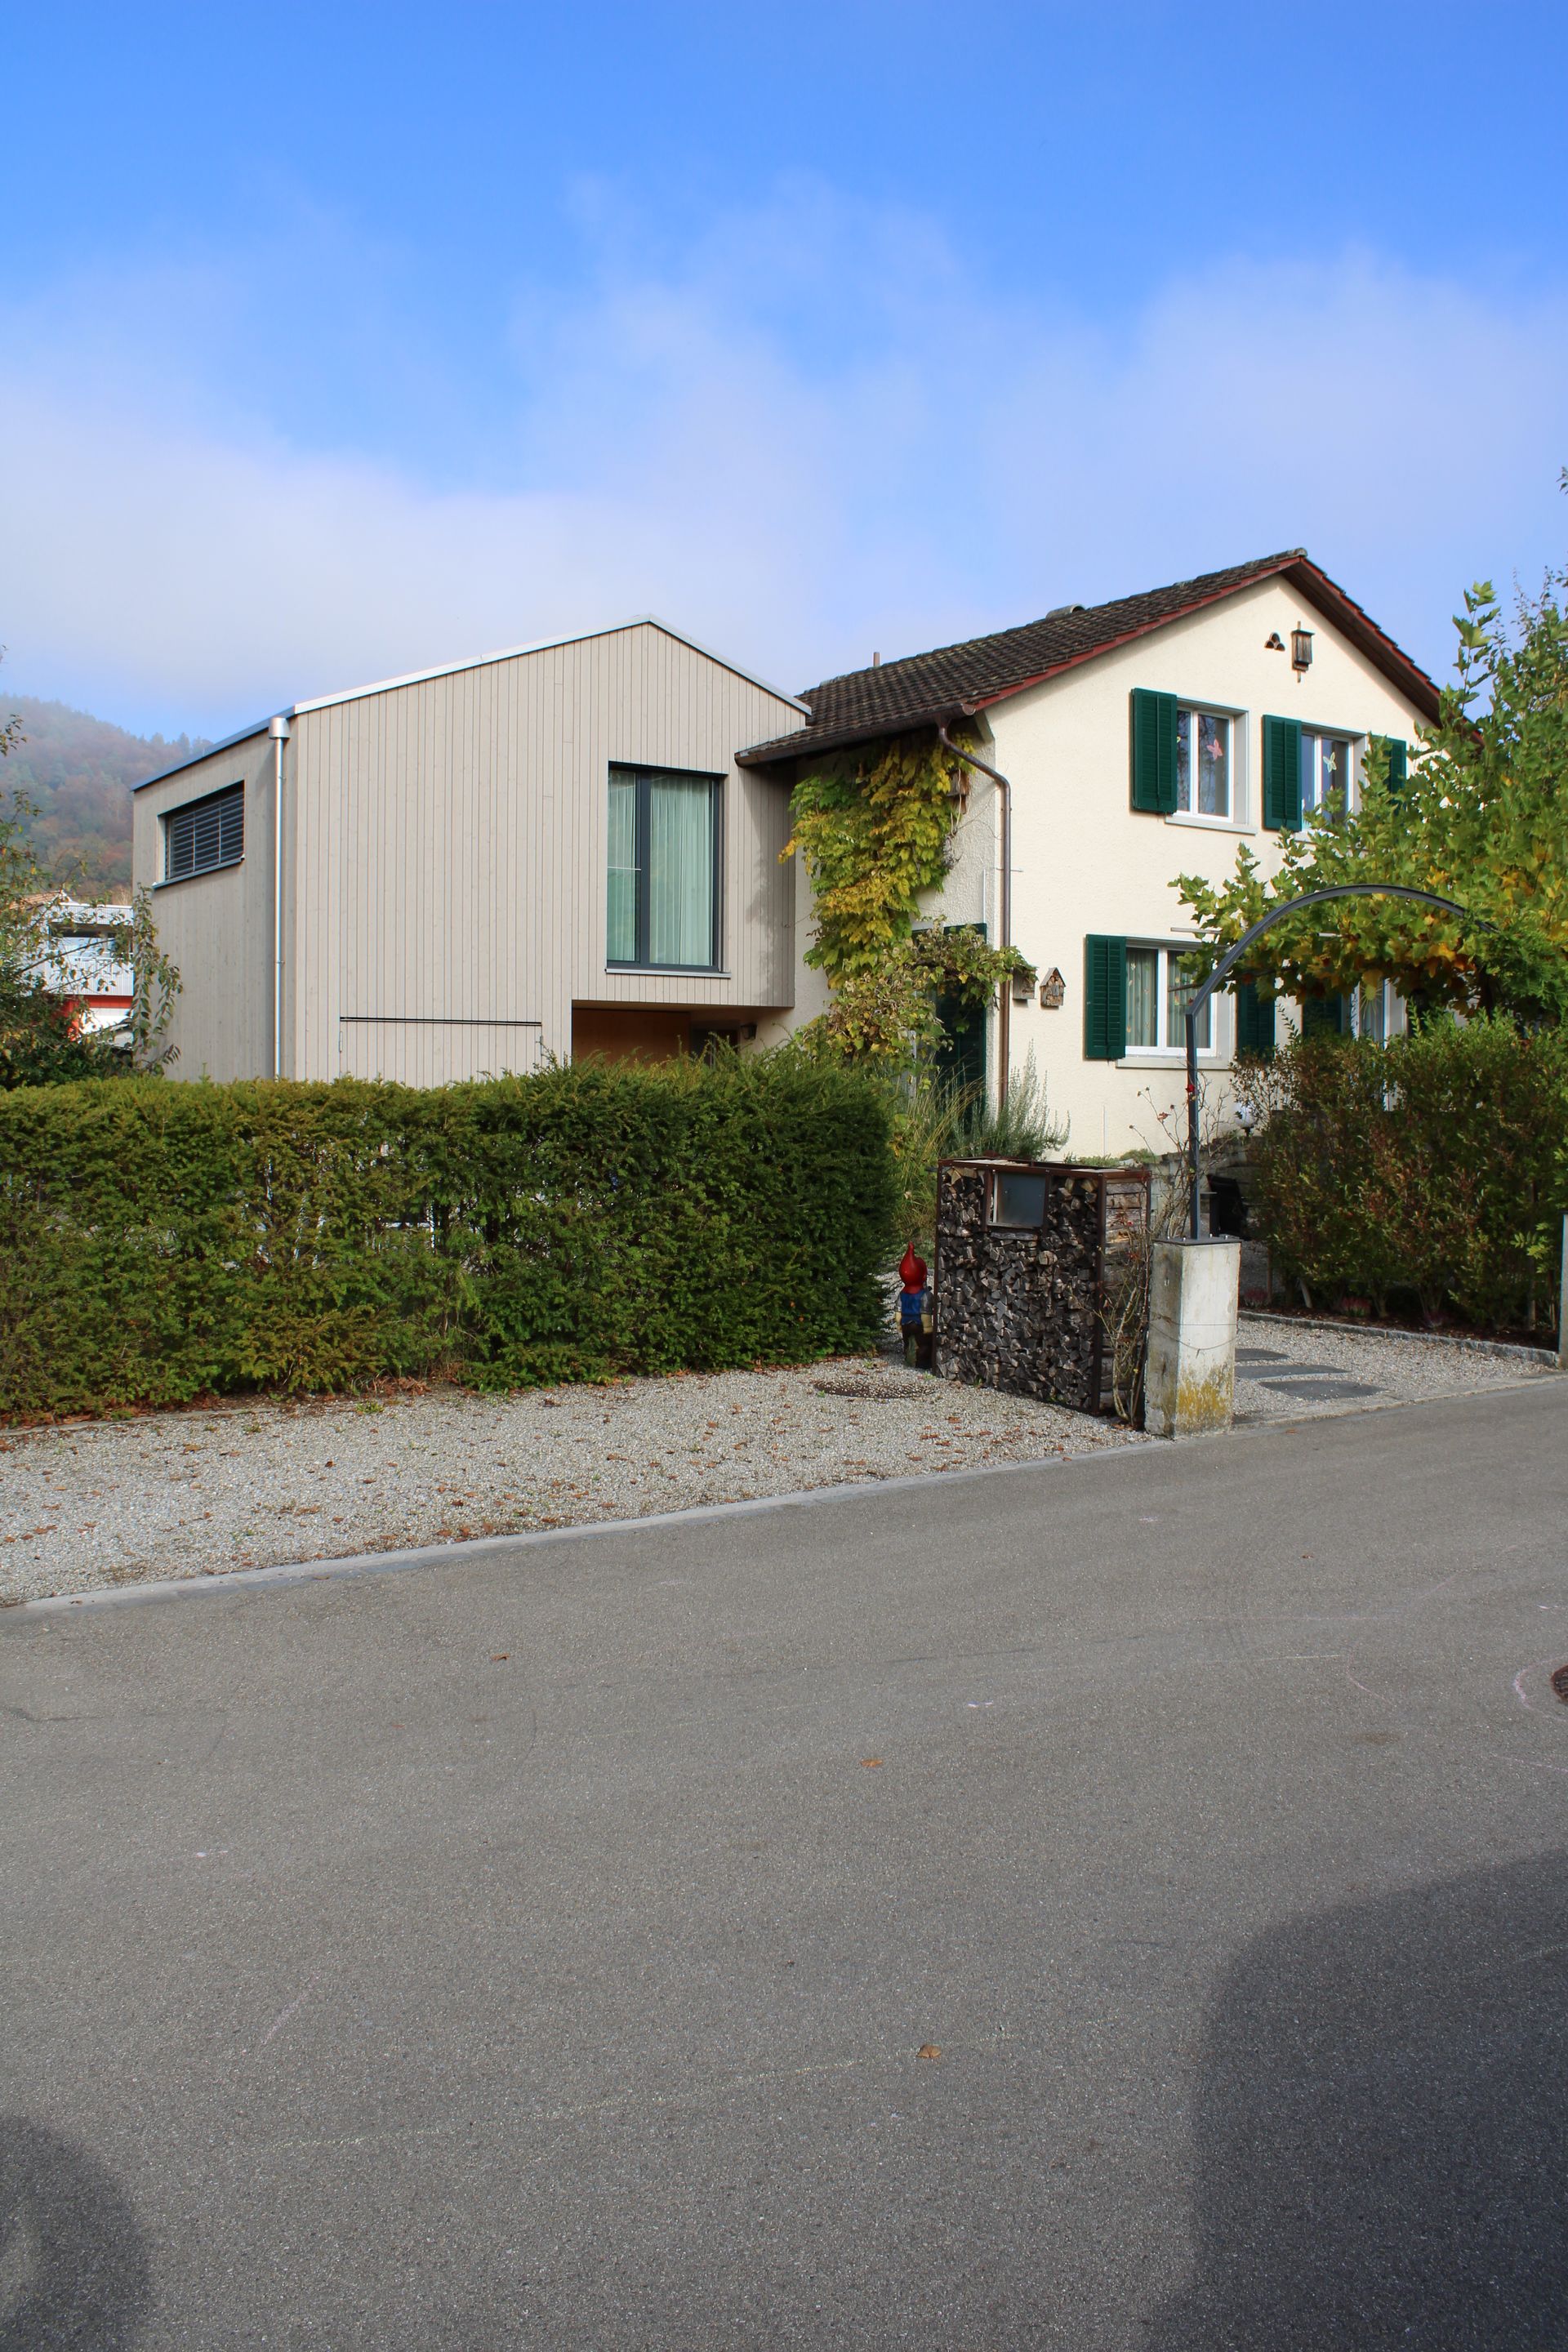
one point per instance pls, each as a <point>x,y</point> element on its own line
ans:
<point>1141,739</point>
<point>575,847</point>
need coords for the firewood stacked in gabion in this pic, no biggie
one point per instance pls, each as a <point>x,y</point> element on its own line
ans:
<point>1025,1308</point>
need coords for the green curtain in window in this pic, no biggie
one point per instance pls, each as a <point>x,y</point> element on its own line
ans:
<point>681,845</point>
<point>622,903</point>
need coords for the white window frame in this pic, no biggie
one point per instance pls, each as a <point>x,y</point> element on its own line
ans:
<point>1356,739</point>
<point>1170,1050</point>
<point>1389,1006</point>
<point>1236,818</point>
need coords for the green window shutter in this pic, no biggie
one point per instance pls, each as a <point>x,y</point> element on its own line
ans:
<point>1254,1022</point>
<point>1398,753</point>
<point>1323,1016</point>
<point>1104,998</point>
<point>1154,752</point>
<point>1282,774</point>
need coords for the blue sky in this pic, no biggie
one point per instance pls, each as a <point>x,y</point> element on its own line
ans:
<point>344,341</point>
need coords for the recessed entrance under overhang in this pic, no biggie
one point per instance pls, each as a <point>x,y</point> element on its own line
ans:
<point>653,1032</point>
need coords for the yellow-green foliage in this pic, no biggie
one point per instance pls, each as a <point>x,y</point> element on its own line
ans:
<point>1482,818</point>
<point>874,825</point>
<point>873,837</point>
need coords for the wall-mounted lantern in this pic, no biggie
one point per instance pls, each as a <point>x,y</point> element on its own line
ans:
<point>1301,649</point>
<point>1053,989</point>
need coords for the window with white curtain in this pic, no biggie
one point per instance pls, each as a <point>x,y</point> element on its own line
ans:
<point>1158,984</point>
<point>1328,774</point>
<point>663,881</point>
<point>1203,762</point>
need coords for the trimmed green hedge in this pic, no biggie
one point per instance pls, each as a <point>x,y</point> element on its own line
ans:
<point>1431,1174</point>
<point>162,1241</point>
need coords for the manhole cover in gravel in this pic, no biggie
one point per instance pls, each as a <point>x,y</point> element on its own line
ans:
<point>1560,1684</point>
<point>884,1391</point>
<point>1281,1364</point>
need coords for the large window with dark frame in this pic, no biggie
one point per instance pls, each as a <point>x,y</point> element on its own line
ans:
<point>205,834</point>
<point>663,895</point>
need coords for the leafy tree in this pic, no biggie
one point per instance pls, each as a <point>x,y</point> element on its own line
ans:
<point>41,1042</point>
<point>1482,818</point>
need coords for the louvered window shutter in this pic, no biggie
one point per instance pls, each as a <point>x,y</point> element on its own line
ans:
<point>1104,998</point>
<point>1254,1022</point>
<point>1154,752</point>
<point>1398,753</point>
<point>1282,774</point>
<point>205,834</point>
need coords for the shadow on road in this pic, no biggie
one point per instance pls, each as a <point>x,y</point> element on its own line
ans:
<point>1382,2149</point>
<point>73,2262</point>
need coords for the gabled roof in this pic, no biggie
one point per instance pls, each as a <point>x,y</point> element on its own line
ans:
<point>954,682</point>
<point>475,661</point>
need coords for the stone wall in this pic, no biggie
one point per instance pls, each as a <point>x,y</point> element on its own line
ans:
<point>1025,1308</point>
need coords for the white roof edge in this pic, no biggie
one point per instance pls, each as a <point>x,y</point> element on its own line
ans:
<point>541,645</point>
<point>478,661</point>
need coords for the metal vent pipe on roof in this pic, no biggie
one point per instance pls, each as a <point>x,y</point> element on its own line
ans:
<point>277,729</point>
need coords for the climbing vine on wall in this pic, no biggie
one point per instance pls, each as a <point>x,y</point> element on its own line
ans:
<point>875,827</point>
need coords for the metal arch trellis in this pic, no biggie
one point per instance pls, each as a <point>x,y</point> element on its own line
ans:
<point>1233,956</point>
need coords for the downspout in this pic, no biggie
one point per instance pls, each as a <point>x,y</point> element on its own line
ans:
<point>279,730</point>
<point>1004,1006</point>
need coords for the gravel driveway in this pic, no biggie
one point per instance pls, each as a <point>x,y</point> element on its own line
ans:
<point>90,1504</point>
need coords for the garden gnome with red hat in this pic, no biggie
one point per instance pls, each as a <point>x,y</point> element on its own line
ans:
<point>914,1310</point>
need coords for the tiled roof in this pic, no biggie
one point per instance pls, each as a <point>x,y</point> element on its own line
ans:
<point>932,689</point>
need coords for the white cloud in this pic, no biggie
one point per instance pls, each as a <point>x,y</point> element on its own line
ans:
<point>813,439</point>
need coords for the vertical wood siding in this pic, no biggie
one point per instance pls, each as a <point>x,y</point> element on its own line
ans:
<point>217,927</point>
<point>446,861</point>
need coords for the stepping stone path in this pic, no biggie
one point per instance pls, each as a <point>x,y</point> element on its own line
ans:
<point>1286,1376</point>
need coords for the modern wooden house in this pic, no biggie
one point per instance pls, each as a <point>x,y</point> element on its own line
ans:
<point>547,850</point>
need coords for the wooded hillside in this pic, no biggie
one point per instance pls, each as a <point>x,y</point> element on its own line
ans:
<point>79,771</point>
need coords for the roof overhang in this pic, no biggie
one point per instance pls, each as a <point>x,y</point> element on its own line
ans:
<point>1310,582</point>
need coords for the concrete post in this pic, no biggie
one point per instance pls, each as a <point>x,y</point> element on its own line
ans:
<point>1189,1376</point>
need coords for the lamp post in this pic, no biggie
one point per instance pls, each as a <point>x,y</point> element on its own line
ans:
<point>1227,963</point>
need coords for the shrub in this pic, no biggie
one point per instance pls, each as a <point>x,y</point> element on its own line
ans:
<point>1431,1173</point>
<point>159,1241</point>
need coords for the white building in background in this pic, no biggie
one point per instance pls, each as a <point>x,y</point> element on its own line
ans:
<point>574,847</point>
<point>78,960</point>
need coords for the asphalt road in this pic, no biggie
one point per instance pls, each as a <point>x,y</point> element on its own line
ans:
<point>1116,1904</point>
